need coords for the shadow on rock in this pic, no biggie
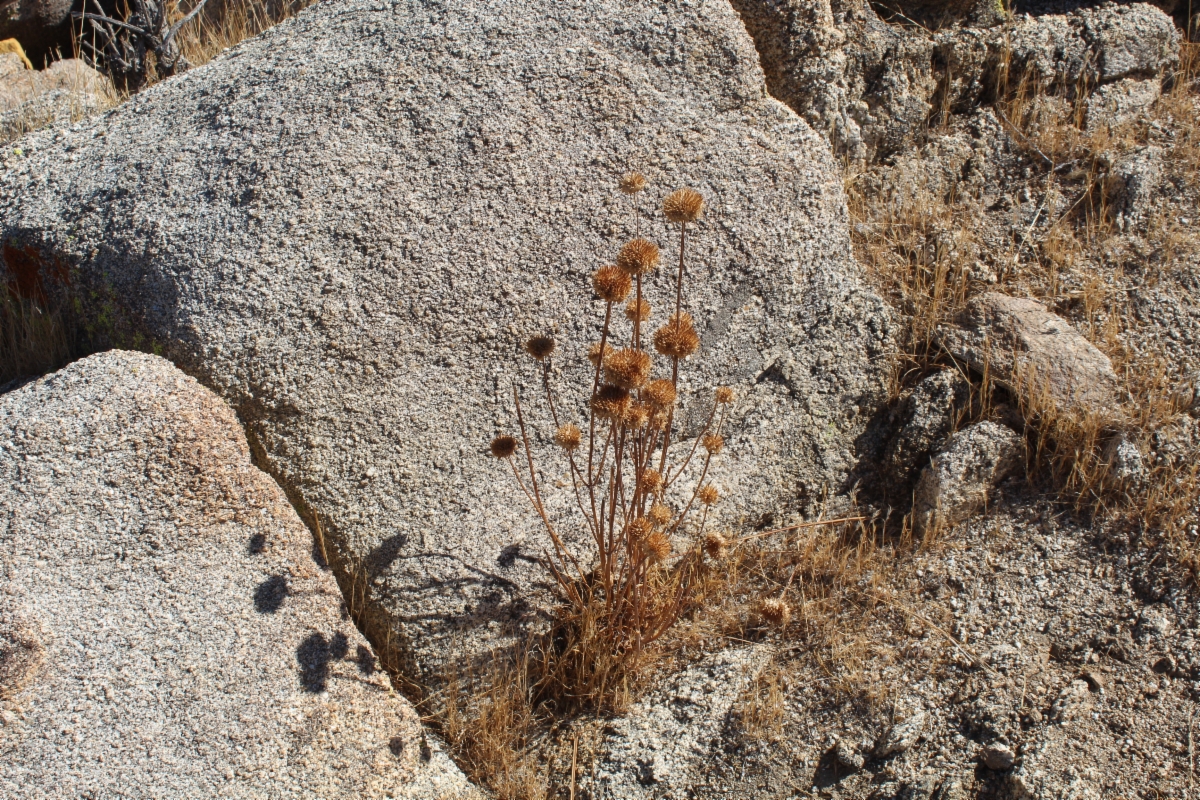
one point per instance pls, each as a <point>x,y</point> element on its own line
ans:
<point>313,657</point>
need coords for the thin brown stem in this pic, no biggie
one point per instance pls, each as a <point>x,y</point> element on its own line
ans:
<point>679,278</point>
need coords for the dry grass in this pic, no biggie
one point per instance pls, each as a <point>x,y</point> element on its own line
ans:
<point>34,337</point>
<point>228,22</point>
<point>924,246</point>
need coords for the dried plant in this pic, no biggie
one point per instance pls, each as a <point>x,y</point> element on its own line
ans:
<point>645,537</point>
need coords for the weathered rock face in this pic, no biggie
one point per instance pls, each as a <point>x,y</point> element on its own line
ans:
<point>64,92</point>
<point>164,628</point>
<point>1034,353</point>
<point>664,745</point>
<point>863,83</point>
<point>348,226</point>
<point>958,481</point>
<point>871,86</point>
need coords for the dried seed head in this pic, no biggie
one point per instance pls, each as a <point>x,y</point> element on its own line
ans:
<point>660,393</point>
<point>773,611</point>
<point>650,480</point>
<point>627,368</point>
<point>610,402</point>
<point>638,416</point>
<point>658,546</point>
<point>659,514</point>
<point>504,446</point>
<point>659,420</point>
<point>637,310</point>
<point>713,443</point>
<point>716,546</point>
<point>540,347</point>
<point>708,495</point>
<point>632,182</point>
<point>639,529</point>
<point>683,205</point>
<point>678,338</point>
<point>594,353</point>
<point>638,257</point>
<point>611,284</point>
<point>568,436</point>
<point>724,394</point>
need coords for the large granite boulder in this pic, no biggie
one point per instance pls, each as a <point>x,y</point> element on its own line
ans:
<point>348,226</point>
<point>165,628</point>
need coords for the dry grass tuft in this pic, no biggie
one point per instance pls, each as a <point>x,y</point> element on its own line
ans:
<point>227,22</point>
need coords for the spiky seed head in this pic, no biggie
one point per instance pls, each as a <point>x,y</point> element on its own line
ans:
<point>713,443</point>
<point>540,347</point>
<point>683,205</point>
<point>708,495</point>
<point>773,611</point>
<point>611,284</point>
<point>658,546</point>
<point>627,368</point>
<point>716,546</point>
<point>638,257</point>
<point>637,310</point>
<point>651,481</point>
<point>638,416</point>
<point>724,395</point>
<point>632,182</point>
<point>678,338</point>
<point>638,529</point>
<point>594,353</point>
<point>610,402</point>
<point>659,420</point>
<point>660,393</point>
<point>504,446</point>
<point>659,514</point>
<point>568,436</point>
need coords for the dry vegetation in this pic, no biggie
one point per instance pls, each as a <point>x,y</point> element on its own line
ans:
<point>925,247</point>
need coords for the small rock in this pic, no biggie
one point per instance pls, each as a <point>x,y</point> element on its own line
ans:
<point>1125,464</point>
<point>957,482</point>
<point>998,756</point>
<point>1032,352</point>
<point>902,736</point>
<point>1115,103</point>
<point>1132,184</point>
<point>927,416</point>
<point>1072,702</point>
<point>1154,621</point>
<point>847,755</point>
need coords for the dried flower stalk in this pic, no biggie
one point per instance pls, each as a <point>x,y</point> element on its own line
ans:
<point>638,579</point>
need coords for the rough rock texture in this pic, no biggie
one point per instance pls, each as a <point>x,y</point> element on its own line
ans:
<point>1034,353</point>
<point>957,482</point>
<point>664,746</point>
<point>349,225</point>
<point>184,641</point>
<point>64,92</point>
<point>1117,103</point>
<point>1132,183</point>
<point>862,82</point>
<point>871,87</point>
<point>927,416</point>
